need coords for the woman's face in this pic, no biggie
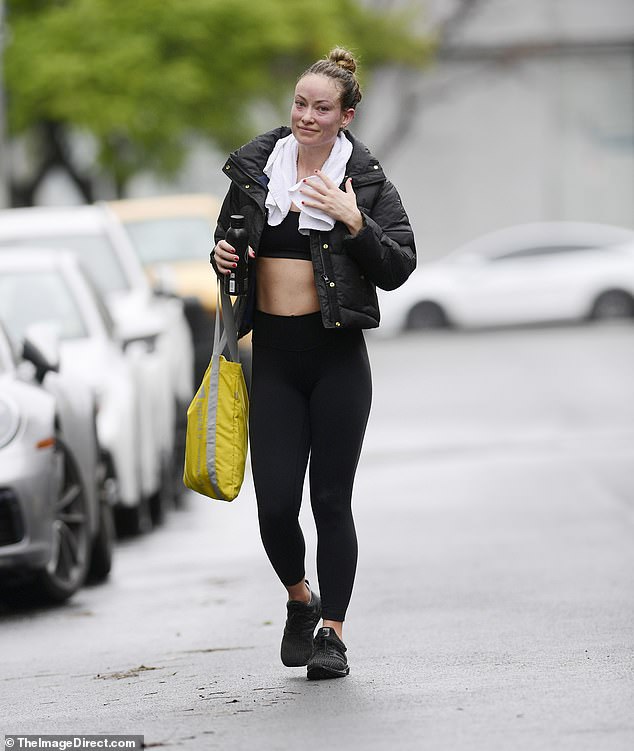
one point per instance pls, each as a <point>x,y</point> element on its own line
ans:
<point>316,115</point>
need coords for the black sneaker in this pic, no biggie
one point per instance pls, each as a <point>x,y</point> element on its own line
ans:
<point>329,656</point>
<point>297,642</point>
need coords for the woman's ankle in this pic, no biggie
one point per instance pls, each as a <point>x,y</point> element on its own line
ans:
<point>336,626</point>
<point>299,592</point>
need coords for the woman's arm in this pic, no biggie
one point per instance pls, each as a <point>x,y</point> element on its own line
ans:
<point>380,240</point>
<point>384,247</point>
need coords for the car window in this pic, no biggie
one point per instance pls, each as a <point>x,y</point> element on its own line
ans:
<point>543,250</point>
<point>96,253</point>
<point>33,297</point>
<point>102,309</point>
<point>171,239</point>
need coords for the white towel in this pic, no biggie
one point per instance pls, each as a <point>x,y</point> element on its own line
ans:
<point>284,189</point>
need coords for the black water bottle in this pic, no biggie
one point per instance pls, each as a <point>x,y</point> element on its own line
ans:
<point>237,281</point>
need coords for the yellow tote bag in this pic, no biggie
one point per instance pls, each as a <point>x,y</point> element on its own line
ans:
<point>217,418</point>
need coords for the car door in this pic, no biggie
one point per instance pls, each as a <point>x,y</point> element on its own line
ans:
<point>525,285</point>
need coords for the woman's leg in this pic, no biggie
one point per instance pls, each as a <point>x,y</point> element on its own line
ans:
<point>279,436</point>
<point>339,410</point>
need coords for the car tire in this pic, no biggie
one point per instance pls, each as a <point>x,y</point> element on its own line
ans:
<point>68,567</point>
<point>102,546</point>
<point>613,304</point>
<point>104,542</point>
<point>178,462</point>
<point>164,496</point>
<point>426,315</point>
<point>131,521</point>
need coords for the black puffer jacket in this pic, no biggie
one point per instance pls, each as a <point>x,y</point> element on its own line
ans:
<point>347,269</point>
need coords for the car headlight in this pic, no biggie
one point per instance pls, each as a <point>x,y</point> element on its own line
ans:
<point>9,421</point>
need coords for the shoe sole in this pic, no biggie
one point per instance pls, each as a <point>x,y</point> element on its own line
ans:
<point>319,673</point>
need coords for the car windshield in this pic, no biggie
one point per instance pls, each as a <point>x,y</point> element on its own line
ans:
<point>539,251</point>
<point>171,239</point>
<point>31,297</point>
<point>95,252</point>
<point>509,244</point>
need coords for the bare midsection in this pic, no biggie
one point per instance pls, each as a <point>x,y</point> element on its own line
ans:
<point>286,287</point>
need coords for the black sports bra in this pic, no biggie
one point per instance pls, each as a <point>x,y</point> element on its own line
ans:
<point>285,240</point>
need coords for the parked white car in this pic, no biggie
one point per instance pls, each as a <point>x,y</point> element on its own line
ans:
<point>105,250</point>
<point>172,236</point>
<point>55,522</point>
<point>533,273</point>
<point>133,400</point>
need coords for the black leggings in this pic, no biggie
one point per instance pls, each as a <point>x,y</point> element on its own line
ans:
<point>311,391</point>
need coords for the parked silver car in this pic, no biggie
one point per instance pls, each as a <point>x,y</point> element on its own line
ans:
<point>55,522</point>
<point>123,371</point>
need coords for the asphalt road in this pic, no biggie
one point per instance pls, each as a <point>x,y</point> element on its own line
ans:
<point>494,600</point>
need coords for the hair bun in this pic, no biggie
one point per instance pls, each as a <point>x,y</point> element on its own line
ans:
<point>340,66</point>
<point>343,58</point>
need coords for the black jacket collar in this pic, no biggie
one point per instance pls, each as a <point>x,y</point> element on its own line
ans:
<point>247,162</point>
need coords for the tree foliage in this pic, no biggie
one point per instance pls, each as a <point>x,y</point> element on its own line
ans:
<point>142,76</point>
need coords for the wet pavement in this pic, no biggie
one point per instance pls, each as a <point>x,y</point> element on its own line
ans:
<point>493,606</point>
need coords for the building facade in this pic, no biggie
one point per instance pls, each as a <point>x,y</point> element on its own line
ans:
<point>527,115</point>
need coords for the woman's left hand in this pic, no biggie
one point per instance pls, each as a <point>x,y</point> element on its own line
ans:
<point>342,206</point>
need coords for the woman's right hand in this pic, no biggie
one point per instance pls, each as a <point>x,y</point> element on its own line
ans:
<point>225,256</point>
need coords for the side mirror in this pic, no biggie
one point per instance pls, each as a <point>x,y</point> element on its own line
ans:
<point>162,280</point>
<point>144,332</point>
<point>41,348</point>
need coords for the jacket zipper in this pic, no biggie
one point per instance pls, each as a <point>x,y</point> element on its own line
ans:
<point>324,276</point>
<point>330,291</point>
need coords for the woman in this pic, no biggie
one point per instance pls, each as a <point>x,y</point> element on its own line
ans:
<point>325,227</point>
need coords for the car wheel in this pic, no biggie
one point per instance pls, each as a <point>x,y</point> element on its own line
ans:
<point>102,546</point>
<point>613,304</point>
<point>68,565</point>
<point>426,315</point>
<point>164,496</point>
<point>178,461</point>
<point>131,521</point>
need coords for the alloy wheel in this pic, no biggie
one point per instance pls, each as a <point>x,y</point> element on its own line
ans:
<point>69,560</point>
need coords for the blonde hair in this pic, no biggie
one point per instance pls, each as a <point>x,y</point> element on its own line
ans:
<point>341,66</point>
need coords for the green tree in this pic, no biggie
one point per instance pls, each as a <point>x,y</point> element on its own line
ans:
<point>142,76</point>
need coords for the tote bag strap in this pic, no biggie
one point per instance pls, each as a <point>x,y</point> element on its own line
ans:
<point>230,334</point>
